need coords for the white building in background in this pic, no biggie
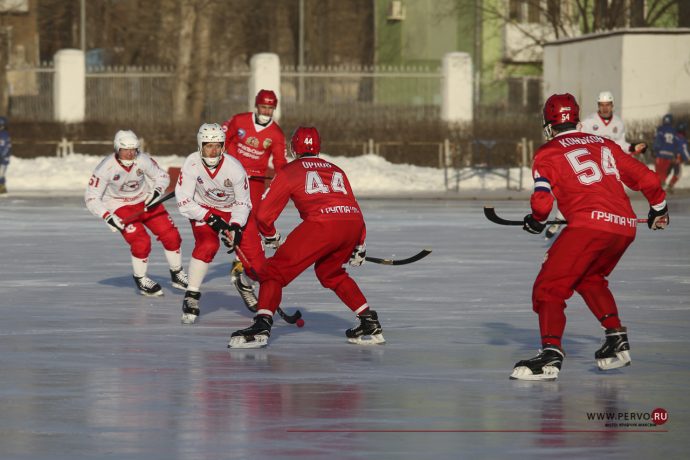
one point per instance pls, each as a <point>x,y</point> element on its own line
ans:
<point>648,71</point>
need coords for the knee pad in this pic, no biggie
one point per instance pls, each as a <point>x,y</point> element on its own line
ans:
<point>141,247</point>
<point>206,251</point>
<point>171,239</point>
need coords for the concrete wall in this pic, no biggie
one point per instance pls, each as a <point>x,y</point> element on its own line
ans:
<point>648,71</point>
<point>265,74</point>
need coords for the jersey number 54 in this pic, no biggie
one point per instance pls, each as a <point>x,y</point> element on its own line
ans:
<point>588,171</point>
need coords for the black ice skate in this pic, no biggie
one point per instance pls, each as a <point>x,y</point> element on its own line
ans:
<point>147,286</point>
<point>190,307</point>
<point>615,352</point>
<point>179,279</point>
<point>553,228</point>
<point>369,331</point>
<point>255,336</point>
<point>544,366</point>
<point>243,286</point>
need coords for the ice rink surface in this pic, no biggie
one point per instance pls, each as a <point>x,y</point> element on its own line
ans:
<point>90,369</point>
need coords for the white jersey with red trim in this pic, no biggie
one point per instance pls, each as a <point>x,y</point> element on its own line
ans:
<point>113,185</point>
<point>613,129</point>
<point>224,188</point>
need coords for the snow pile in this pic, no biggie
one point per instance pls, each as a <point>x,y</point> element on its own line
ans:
<point>368,174</point>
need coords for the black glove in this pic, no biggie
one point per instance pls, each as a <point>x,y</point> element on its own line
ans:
<point>231,237</point>
<point>114,221</point>
<point>359,254</point>
<point>658,220</point>
<point>532,225</point>
<point>273,241</point>
<point>217,223</point>
<point>152,198</point>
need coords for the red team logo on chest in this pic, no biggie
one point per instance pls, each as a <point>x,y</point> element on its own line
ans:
<point>253,142</point>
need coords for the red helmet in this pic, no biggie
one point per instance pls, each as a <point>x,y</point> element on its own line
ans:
<point>560,109</point>
<point>305,141</point>
<point>266,97</point>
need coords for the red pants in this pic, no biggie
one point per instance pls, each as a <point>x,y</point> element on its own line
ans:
<point>327,245</point>
<point>579,260</point>
<point>207,242</point>
<point>662,167</point>
<point>157,220</point>
<point>257,187</point>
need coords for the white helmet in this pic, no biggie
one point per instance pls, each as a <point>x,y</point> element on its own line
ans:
<point>210,132</point>
<point>605,96</point>
<point>126,139</point>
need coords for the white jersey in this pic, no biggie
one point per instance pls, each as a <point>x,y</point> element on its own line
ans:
<point>112,185</point>
<point>613,129</point>
<point>225,188</point>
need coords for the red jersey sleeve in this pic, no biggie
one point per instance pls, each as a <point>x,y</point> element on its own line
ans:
<point>639,177</point>
<point>230,128</point>
<point>272,204</point>
<point>541,200</point>
<point>278,152</point>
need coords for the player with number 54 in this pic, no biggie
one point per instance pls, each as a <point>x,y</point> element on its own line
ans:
<point>586,174</point>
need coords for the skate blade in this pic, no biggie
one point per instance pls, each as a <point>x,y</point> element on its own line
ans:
<point>376,339</point>
<point>622,359</point>
<point>550,373</point>
<point>179,286</point>
<point>188,318</point>
<point>240,341</point>
<point>149,294</point>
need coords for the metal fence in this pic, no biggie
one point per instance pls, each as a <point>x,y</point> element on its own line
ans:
<point>144,95</point>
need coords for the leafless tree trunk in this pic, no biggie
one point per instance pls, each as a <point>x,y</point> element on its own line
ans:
<point>185,44</point>
<point>201,61</point>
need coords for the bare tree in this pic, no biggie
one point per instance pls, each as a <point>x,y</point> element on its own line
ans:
<point>183,68</point>
<point>573,17</point>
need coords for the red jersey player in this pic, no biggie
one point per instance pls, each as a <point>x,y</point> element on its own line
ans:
<point>586,174</point>
<point>252,138</point>
<point>331,234</point>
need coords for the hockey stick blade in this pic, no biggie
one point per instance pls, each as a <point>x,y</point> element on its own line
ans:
<point>490,213</point>
<point>419,256</point>
<point>160,200</point>
<point>290,319</point>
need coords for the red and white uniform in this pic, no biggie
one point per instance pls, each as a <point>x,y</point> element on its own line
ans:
<point>116,189</point>
<point>223,191</point>
<point>585,173</point>
<point>253,144</point>
<point>613,129</point>
<point>332,226</point>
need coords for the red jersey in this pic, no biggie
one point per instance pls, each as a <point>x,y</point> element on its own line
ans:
<point>586,173</point>
<point>252,144</point>
<point>319,189</point>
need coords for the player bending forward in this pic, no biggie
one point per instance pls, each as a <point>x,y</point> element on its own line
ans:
<point>121,187</point>
<point>213,192</point>
<point>331,234</point>
<point>585,173</point>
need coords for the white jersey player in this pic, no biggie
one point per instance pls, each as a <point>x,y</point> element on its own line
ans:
<point>120,190</point>
<point>607,124</point>
<point>213,192</point>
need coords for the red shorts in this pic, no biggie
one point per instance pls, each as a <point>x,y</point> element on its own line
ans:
<point>157,220</point>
